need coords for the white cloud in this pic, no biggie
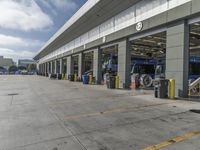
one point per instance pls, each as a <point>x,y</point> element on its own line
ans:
<point>11,41</point>
<point>23,14</point>
<point>61,5</point>
<point>9,53</point>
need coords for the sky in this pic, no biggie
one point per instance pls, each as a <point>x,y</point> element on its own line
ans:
<point>25,25</point>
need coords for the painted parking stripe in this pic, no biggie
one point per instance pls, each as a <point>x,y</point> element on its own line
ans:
<point>172,141</point>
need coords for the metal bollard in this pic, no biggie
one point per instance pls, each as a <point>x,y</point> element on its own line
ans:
<point>117,82</point>
<point>172,89</point>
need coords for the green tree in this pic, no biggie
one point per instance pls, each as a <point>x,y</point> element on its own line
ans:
<point>2,68</point>
<point>13,68</point>
<point>22,68</point>
<point>31,67</point>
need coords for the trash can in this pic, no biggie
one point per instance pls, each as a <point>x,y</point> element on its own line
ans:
<point>111,82</point>
<point>59,76</point>
<point>54,76</point>
<point>163,88</point>
<point>85,79</point>
<point>71,77</point>
<point>156,91</point>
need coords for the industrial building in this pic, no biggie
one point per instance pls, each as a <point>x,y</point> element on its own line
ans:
<point>25,62</point>
<point>124,33</point>
<point>6,62</point>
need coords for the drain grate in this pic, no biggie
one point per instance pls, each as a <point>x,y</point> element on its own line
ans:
<point>195,111</point>
<point>13,94</point>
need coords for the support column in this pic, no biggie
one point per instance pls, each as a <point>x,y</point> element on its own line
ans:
<point>177,57</point>
<point>39,68</point>
<point>45,68</point>
<point>80,65</point>
<point>42,65</point>
<point>48,67</point>
<point>124,63</point>
<point>61,66</point>
<point>51,67</point>
<point>55,67</point>
<point>64,67</point>
<point>97,65</point>
<point>70,69</point>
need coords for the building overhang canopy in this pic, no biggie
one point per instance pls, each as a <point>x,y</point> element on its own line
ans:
<point>90,15</point>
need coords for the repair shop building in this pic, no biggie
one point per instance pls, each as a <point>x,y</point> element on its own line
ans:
<point>153,28</point>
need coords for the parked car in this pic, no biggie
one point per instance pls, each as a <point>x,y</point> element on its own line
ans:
<point>24,72</point>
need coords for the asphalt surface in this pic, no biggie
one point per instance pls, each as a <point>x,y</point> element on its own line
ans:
<point>41,114</point>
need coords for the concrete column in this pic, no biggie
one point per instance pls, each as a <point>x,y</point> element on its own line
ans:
<point>39,70</point>
<point>48,67</point>
<point>80,65</point>
<point>51,67</point>
<point>64,66</point>
<point>97,65</point>
<point>55,67</point>
<point>37,66</point>
<point>61,66</point>
<point>70,69</point>
<point>177,57</point>
<point>42,66</point>
<point>45,68</point>
<point>124,63</point>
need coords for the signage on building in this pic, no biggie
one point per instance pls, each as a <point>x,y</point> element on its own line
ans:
<point>139,26</point>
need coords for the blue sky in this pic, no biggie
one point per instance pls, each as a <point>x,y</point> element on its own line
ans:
<point>25,25</point>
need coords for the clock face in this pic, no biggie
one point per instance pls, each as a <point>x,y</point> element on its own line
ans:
<point>139,26</point>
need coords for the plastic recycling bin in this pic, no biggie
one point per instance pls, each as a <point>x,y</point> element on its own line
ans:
<point>85,79</point>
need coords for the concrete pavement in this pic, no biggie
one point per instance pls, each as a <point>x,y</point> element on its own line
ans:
<point>41,114</point>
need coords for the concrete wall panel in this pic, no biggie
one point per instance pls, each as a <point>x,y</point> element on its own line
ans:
<point>179,12</point>
<point>177,65</point>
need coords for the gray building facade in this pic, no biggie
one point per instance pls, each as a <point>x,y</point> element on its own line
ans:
<point>25,62</point>
<point>6,62</point>
<point>163,26</point>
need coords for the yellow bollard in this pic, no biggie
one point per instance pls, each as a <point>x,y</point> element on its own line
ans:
<point>90,79</point>
<point>172,89</point>
<point>117,82</point>
<point>75,77</point>
<point>63,76</point>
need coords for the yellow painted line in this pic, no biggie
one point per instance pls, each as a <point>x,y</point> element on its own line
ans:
<point>172,141</point>
<point>74,117</point>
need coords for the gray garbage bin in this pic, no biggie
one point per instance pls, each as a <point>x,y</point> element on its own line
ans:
<point>111,82</point>
<point>163,88</point>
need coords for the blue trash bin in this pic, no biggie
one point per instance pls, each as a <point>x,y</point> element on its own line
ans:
<point>85,79</point>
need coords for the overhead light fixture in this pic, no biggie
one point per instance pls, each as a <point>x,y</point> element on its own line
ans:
<point>196,24</point>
